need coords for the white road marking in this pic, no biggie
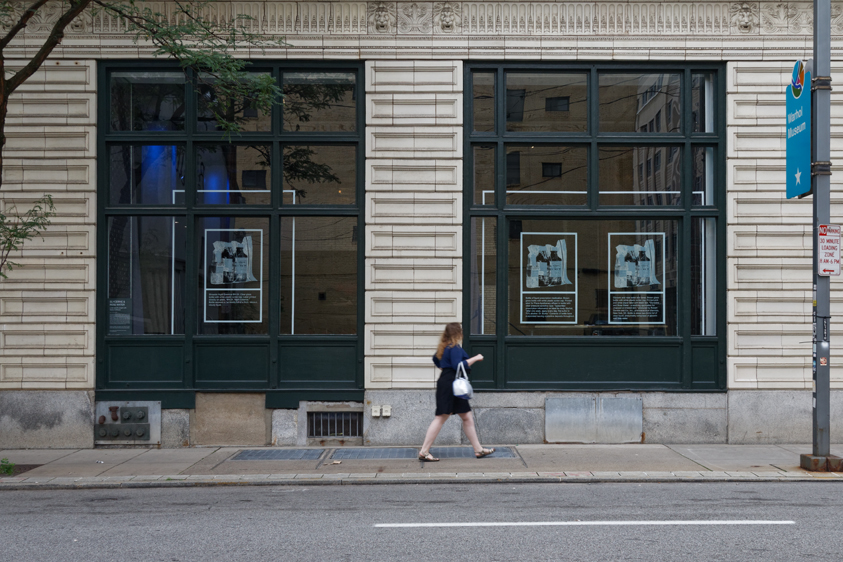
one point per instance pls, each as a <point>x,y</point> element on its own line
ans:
<point>585,523</point>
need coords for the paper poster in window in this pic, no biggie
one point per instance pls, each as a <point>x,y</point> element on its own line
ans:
<point>232,291</point>
<point>636,284</point>
<point>548,265</point>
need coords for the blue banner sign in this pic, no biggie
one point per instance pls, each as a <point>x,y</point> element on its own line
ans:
<point>799,132</point>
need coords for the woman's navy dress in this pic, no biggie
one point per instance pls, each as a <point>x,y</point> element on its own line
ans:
<point>446,402</point>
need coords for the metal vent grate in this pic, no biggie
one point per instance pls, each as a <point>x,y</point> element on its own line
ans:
<point>381,453</point>
<point>278,455</point>
<point>334,424</point>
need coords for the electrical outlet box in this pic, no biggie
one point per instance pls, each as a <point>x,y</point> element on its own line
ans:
<point>376,411</point>
<point>387,411</point>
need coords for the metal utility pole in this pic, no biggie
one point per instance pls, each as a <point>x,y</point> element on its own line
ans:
<point>821,458</point>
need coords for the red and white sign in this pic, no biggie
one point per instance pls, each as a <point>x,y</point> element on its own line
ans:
<point>828,253</point>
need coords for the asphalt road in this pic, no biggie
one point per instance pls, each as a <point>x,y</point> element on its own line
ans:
<point>579,522</point>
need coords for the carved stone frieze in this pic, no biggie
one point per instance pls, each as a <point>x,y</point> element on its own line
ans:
<point>800,17</point>
<point>382,17</point>
<point>744,18</point>
<point>447,17</point>
<point>480,19</point>
<point>774,18</point>
<point>415,18</point>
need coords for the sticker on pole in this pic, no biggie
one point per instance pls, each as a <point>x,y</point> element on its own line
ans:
<point>828,250</point>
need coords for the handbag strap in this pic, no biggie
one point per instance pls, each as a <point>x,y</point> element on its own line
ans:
<point>461,374</point>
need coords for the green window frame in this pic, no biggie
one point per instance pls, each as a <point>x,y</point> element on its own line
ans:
<point>256,347</point>
<point>689,138</point>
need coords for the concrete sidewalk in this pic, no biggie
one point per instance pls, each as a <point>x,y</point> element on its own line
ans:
<point>203,466</point>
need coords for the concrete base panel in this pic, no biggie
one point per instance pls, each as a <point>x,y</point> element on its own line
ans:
<point>55,419</point>
<point>175,429</point>
<point>778,416</point>
<point>509,425</point>
<point>230,419</point>
<point>685,418</point>
<point>520,417</point>
<point>285,427</point>
<point>412,412</point>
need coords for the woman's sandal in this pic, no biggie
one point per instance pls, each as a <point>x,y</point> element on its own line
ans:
<point>484,453</point>
<point>427,457</point>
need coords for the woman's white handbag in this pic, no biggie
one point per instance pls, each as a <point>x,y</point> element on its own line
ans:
<point>462,388</point>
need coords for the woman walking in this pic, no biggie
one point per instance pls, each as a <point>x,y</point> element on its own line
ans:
<point>448,356</point>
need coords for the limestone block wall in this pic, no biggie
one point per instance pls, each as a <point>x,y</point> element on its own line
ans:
<point>413,216</point>
<point>770,245</point>
<point>47,330</point>
<point>414,168</point>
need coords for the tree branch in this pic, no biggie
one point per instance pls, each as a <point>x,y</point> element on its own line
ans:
<point>24,19</point>
<point>55,37</point>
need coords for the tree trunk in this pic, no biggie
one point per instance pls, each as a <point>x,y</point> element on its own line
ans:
<point>4,106</point>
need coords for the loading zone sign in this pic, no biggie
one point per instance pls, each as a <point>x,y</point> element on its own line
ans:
<point>828,250</point>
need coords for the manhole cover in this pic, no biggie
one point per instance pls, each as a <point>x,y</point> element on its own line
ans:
<point>363,453</point>
<point>279,455</point>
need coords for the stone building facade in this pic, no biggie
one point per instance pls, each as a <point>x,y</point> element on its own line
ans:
<point>415,59</point>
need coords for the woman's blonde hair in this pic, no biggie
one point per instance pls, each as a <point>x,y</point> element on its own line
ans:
<point>451,336</point>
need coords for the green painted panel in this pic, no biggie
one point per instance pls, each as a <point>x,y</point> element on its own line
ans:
<point>483,373</point>
<point>145,363</point>
<point>170,399</point>
<point>229,366</point>
<point>633,363</point>
<point>704,366</point>
<point>304,365</point>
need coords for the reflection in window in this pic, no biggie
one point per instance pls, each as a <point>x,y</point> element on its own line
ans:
<point>147,101</point>
<point>483,275</point>
<point>546,175</point>
<point>318,275</point>
<point>483,92</point>
<point>237,109</point>
<point>703,279</point>
<point>484,175</point>
<point>592,278</point>
<point>702,102</point>
<point>233,275</point>
<point>319,175</point>
<point>639,102</point>
<point>703,190</point>
<point>233,174</point>
<point>146,175</point>
<point>515,106</point>
<point>546,101</point>
<point>621,185</point>
<point>146,275</point>
<point>319,101</point>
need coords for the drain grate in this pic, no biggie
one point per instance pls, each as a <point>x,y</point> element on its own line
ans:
<point>334,424</point>
<point>364,453</point>
<point>279,455</point>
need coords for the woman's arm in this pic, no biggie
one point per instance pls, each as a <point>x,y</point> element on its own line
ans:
<point>472,360</point>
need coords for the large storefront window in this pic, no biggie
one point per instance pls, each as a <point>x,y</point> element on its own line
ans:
<point>231,262</point>
<point>595,205</point>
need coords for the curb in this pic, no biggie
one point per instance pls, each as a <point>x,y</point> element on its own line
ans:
<point>389,481</point>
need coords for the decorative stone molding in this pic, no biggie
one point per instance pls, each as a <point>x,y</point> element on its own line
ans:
<point>484,18</point>
<point>382,17</point>
<point>415,18</point>
<point>447,17</point>
<point>744,18</point>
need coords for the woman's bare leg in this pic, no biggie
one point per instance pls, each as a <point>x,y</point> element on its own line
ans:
<point>470,431</point>
<point>432,432</point>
